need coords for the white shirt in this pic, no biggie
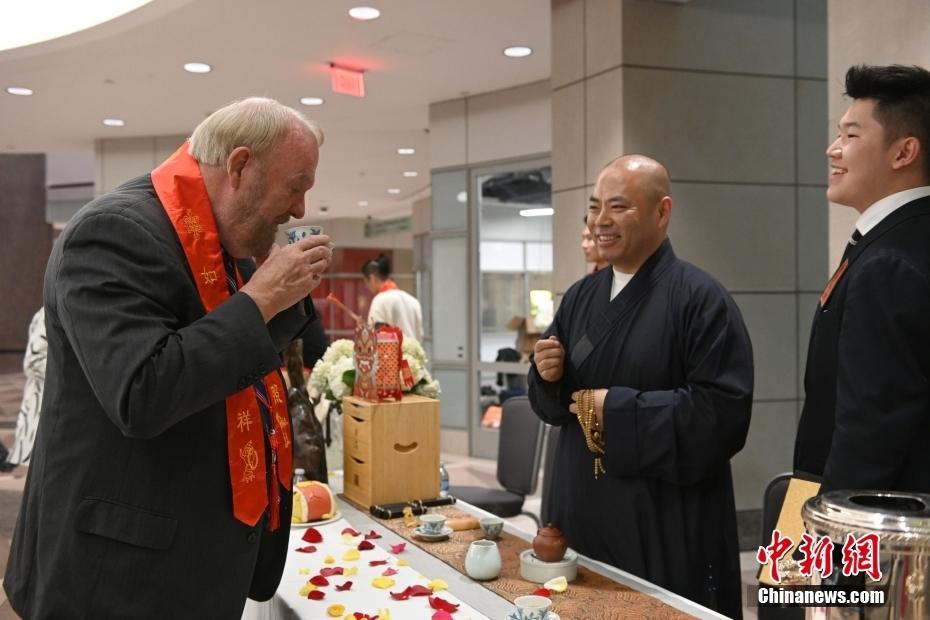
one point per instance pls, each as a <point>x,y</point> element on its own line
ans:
<point>620,280</point>
<point>400,309</point>
<point>871,217</point>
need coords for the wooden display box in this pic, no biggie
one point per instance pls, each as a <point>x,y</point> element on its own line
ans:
<point>390,449</point>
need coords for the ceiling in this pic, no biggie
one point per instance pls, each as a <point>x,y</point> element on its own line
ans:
<point>416,53</point>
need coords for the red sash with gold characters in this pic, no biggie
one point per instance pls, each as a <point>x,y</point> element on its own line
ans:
<point>181,190</point>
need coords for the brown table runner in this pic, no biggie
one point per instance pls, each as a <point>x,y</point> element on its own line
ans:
<point>589,597</point>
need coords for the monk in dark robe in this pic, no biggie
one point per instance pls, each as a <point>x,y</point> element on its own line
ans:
<point>647,368</point>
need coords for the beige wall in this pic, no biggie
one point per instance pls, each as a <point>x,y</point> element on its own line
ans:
<point>503,124</point>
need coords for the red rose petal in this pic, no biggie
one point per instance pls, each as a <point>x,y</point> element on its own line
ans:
<point>401,596</point>
<point>377,563</point>
<point>312,535</point>
<point>419,590</point>
<point>319,580</point>
<point>542,592</point>
<point>372,535</point>
<point>329,572</point>
<point>389,572</point>
<point>350,532</point>
<point>441,615</point>
<point>346,586</point>
<point>307,549</point>
<point>365,546</point>
<point>398,547</point>
<point>442,605</point>
<point>316,595</point>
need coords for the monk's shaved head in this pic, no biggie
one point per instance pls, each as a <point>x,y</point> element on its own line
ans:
<point>651,176</point>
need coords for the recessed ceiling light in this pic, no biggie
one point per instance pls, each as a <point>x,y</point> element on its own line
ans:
<point>19,90</point>
<point>410,173</point>
<point>364,13</point>
<point>311,100</point>
<point>537,212</point>
<point>114,122</point>
<point>406,150</point>
<point>363,203</point>
<point>393,190</point>
<point>462,196</point>
<point>518,51</point>
<point>197,67</point>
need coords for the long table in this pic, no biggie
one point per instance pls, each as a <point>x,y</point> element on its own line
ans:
<point>479,602</point>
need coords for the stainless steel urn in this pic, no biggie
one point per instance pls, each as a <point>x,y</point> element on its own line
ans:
<point>902,521</point>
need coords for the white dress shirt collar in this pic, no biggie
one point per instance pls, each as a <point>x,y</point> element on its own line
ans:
<point>871,217</point>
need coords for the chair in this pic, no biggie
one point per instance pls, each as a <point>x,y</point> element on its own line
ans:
<point>772,500</point>
<point>518,457</point>
<point>552,444</point>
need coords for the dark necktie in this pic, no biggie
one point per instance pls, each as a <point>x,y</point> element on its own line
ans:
<point>852,243</point>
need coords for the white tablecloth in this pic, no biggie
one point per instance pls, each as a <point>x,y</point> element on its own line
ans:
<point>480,602</point>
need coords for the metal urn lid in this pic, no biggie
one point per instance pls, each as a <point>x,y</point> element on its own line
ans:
<point>902,520</point>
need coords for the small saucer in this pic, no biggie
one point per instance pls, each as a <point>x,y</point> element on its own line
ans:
<point>442,535</point>
<point>550,616</point>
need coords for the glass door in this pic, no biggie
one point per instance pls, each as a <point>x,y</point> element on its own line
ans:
<point>512,286</point>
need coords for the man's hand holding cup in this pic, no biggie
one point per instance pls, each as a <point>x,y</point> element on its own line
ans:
<point>287,274</point>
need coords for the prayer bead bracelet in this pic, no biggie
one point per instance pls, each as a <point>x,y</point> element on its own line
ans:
<point>593,436</point>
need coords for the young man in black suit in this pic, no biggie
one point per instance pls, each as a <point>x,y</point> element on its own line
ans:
<point>866,416</point>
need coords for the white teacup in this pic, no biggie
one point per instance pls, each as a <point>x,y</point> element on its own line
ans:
<point>299,232</point>
<point>431,524</point>
<point>533,607</point>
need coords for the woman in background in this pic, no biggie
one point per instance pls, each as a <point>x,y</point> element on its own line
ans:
<point>390,304</point>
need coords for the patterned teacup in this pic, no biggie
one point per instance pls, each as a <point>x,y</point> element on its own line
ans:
<point>431,524</point>
<point>299,232</point>
<point>533,607</point>
<point>491,526</point>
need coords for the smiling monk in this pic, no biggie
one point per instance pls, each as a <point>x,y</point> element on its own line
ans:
<point>648,370</point>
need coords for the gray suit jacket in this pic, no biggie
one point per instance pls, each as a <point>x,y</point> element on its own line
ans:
<point>127,511</point>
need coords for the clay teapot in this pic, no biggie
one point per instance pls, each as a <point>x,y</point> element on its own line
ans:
<point>550,544</point>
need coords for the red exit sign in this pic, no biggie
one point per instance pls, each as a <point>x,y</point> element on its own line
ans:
<point>347,81</point>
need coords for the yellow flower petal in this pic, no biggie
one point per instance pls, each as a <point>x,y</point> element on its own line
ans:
<point>336,610</point>
<point>306,589</point>
<point>352,570</point>
<point>402,562</point>
<point>559,584</point>
<point>348,539</point>
<point>329,559</point>
<point>304,571</point>
<point>382,582</point>
<point>351,555</point>
<point>437,585</point>
<point>384,614</point>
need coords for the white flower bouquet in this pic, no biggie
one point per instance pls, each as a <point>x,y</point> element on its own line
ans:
<point>333,375</point>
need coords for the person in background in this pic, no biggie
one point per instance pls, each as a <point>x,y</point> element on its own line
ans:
<point>589,247</point>
<point>390,304</point>
<point>34,370</point>
<point>160,481</point>
<point>648,371</point>
<point>866,415</point>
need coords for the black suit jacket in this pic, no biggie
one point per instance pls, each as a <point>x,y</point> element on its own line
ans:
<point>866,416</point>
<point>127,511</point>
